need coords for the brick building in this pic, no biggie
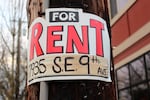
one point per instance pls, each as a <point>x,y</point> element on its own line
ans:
<point>130,23</point>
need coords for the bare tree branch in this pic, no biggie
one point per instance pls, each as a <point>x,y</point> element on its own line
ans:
<point>12,81</point>
<point>6,22</point>
<point>5,43</point>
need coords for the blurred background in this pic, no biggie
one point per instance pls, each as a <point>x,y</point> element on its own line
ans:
<point>13,49</point>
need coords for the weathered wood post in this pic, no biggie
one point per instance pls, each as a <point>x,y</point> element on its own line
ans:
<point>79,69</point>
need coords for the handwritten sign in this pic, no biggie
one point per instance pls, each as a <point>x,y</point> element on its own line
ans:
<point>68,45</point>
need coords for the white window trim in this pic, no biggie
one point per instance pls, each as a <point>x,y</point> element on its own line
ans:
<point>133,56</point>
<point>121,12</point>
<point>139,34</point>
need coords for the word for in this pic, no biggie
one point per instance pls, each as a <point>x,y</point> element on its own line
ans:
<point>63,16</point>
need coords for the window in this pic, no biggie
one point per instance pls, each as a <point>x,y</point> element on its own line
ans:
<point>123,77</point>
<point>137,71</point>
<point>113,8</point>
<point>140,92</point>
<point>147,57</point>
<point>118,7</point>
<point>125,95</point>
<point>121,4</point>
<point>133,79</point>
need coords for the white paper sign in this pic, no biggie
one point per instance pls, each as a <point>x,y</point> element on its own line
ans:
<point>68,45</point>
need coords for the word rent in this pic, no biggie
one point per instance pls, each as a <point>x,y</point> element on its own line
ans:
<point>81,43</point>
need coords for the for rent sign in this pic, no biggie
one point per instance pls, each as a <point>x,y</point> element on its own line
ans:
<point>68,45</point>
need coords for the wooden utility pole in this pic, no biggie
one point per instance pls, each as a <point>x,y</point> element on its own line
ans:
<point>18,61</point>
<point>73,89</point>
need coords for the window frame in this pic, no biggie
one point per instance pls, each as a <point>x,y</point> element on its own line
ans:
<point>119,13</point>
<point>145,82</point>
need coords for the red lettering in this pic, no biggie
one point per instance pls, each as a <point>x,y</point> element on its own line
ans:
<point>99,43</point>
<point>51,38</point>
<point>34,44</point>
<point>73,38</point>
